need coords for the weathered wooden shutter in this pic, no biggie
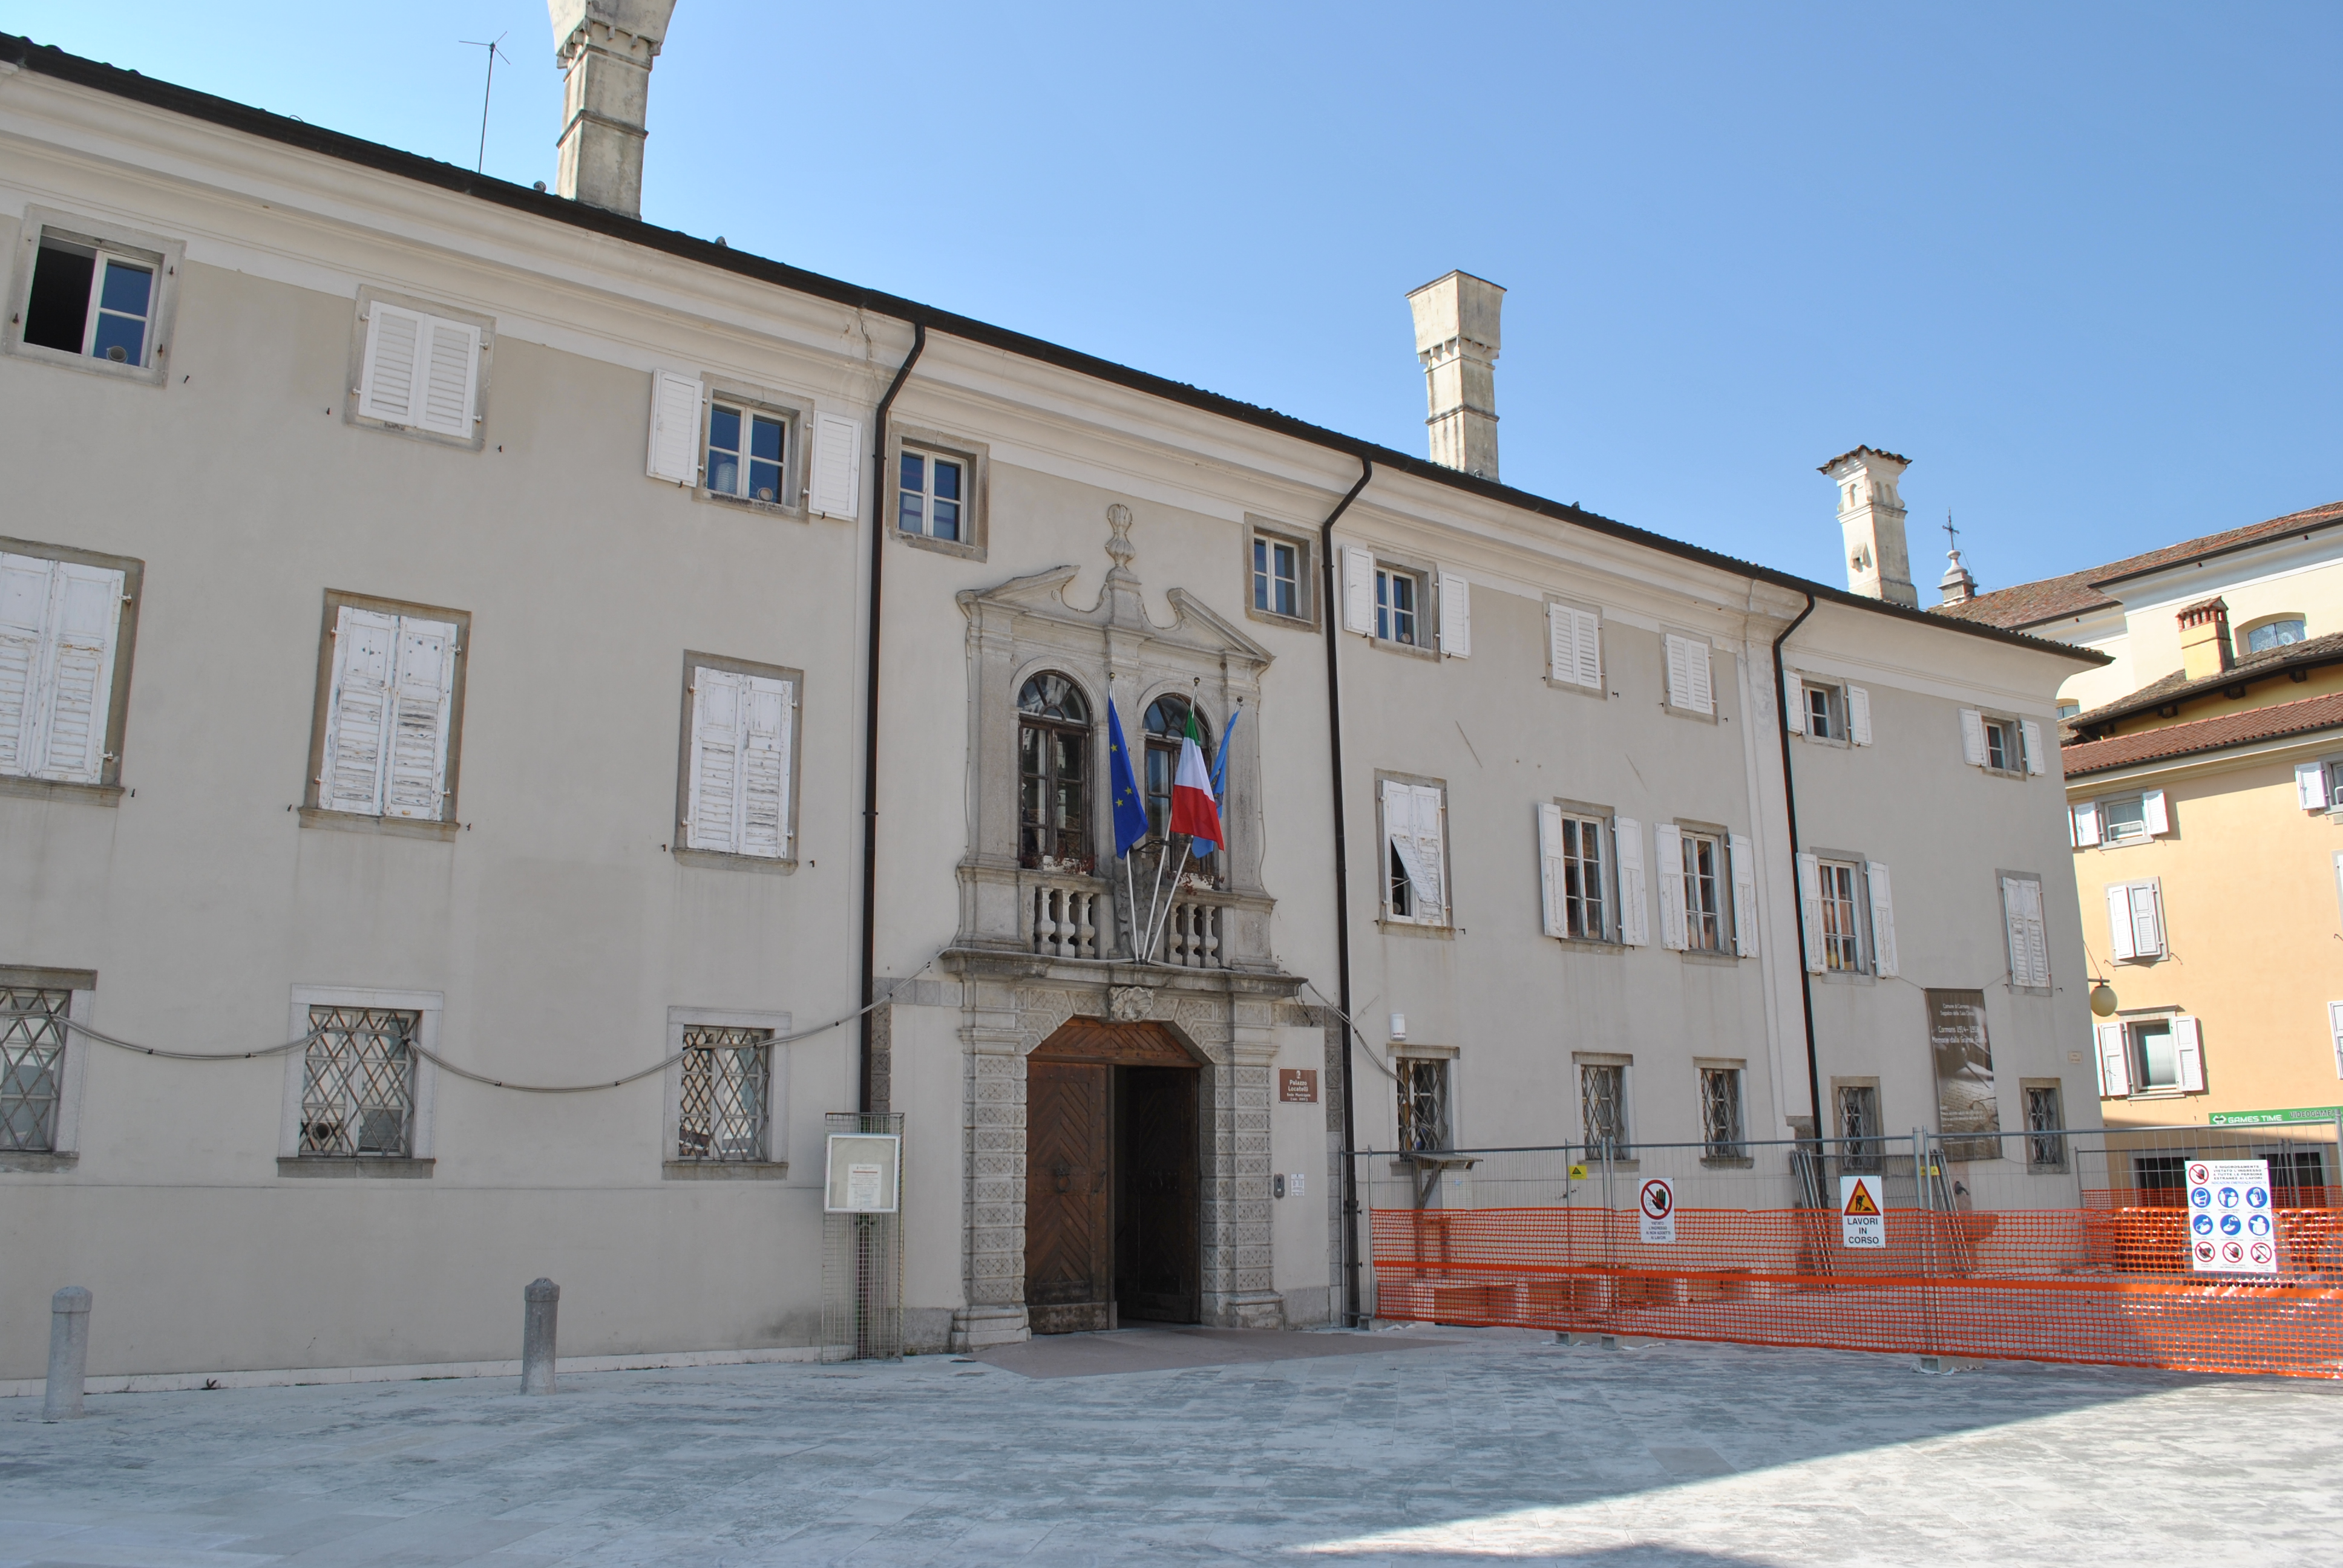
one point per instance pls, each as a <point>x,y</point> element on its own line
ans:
<point>2188,1050</point>
<point>24,591</point>
<point>2031,733</point>
<point>1696,659</point>
<point>2083,830</point>
<point>450,377</point>
<point>837,466</point>
<point>768,710</point>
<point>2119,927</point>
<point>357,712</point>
<point>2021,911</point>
<point>1358,590</point>
<point>1455,616</point>
<point>1883,919</point>
<point>1432,848</point>
<point>2311,786</point>
<point>1972,750</point>
<point>2115,1061</point>
<point>1744,896</point>
<point>1634,921</point>
<point>1560,644</point>
<point>713,807</point>
<point>2147,919</point>
<point>1667,864</point>
<point>1587,635</point>
<point>2151,806</point>
<point>422,704</point>
<point>1412,828</point>
<point>390,378</point>
<point>1679,669</point>
<point>77,686</point>
<point>1810,909</point>
<point>1551,879</point>
<point>1859,715</point>
<point>675,428</point>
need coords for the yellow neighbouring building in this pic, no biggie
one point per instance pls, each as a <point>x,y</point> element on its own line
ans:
<point>2208,806</point>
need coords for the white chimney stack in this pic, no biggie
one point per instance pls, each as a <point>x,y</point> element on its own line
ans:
<point>606,47</point>
<point>1456,337</point>
<point>1871,524</point>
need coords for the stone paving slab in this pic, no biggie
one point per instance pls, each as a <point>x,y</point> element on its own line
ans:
<point>1137,1350</point>
<point>1465,1448</point>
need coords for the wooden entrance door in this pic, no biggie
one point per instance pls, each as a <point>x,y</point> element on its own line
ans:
<point>1069,1226</point>
<point>1157,1274</point>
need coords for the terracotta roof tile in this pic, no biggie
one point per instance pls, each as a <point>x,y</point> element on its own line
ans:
<point>2200,735</point>
<point>2178,688</point>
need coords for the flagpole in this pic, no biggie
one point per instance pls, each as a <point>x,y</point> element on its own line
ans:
<point>1186,844</point>
<point>1161,854</point>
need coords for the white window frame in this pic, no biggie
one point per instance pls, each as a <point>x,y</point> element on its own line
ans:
<point>428,1006</point>
<point>2318,785</point>
<point>2021,744</point>
<point>929,463</point>
<point>164,254</point>
<point>2334,1030</point>
<point>706,844</point>
<point>1387,611</point>
<point>1688,674</point>
<point>776,1163</point>
<point>1574,647</point>
<point>2025,933</point>
<point>1841,951</point>
<point>1719,884</point>
<point>1423,881</point>
<point>1259,575</point>
<point>2128,903</point>
<point>1442,1062</point>
<point>363,407</point>
<point>1559,827</point>
<point>2122,1046</point>
<point>751,408</point>
<point>974,460</point>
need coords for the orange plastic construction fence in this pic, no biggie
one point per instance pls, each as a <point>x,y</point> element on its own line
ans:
<point>2103,1283</point>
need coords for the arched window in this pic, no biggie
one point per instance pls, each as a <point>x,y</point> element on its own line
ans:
<point>2275,634</point>
<point>1166,722</point>
<point>1053,752</point>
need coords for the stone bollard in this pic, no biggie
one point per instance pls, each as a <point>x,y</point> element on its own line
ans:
<point>537,1335</point>
<point>68,1353</point>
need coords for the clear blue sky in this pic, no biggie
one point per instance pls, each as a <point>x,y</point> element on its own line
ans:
<point>2084,265</point>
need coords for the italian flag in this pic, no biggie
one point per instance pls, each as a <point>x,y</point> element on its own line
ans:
<point>1193,810</point>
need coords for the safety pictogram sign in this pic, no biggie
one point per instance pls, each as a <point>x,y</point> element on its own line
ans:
<point>1658,1203</point>
<point>2232,1222</point>
<point>1862,1217</point>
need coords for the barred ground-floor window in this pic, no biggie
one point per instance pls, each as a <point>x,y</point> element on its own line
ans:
<point>726,1113</point>
<point>1603,1108</point>
<point>1720,1114</point>
<point>32,1040</point>
<point>357,1090</point>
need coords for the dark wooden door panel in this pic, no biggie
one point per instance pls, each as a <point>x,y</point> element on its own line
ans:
<point>1158,1276</point>
<point>1069,1259</point>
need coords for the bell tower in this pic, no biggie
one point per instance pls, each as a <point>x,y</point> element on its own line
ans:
<point>1871,524</point>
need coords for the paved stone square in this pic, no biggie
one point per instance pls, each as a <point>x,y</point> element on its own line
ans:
<point>1414,1448</point>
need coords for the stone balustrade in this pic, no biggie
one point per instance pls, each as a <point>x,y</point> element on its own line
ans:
<point>1067,916</point>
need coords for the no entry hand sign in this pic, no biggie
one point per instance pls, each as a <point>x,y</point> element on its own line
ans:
<point>1862,1217</point>
<point>1657,1202</point>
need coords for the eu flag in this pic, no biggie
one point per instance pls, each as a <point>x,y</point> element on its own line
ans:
<point>1130,806</point>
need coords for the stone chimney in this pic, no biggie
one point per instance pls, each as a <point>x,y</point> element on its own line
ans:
<point>1871,524</point>
<point>2204,639</point>
<point>606,47</point>
<point>1456,340</point>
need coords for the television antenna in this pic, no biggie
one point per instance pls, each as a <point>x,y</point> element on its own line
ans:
<point>491,46</point>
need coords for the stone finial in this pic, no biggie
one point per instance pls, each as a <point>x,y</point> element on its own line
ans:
<point>1457,340</point>
<point>1119,546</point>
<point>605,47</point>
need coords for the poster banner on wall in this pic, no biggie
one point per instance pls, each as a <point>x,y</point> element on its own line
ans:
<point>1967,1113</point>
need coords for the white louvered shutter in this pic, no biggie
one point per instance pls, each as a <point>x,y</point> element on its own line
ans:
<point>1679,671</point>
<point>768,710</point>
<point>2114,1062</point>
<point>1667,864</point>
<point>1455,616</point>
<point>2147,919</point>
<point>1405,807</point>
<point>390,378</point>
<point>1797,720</point>
<point>450,379</point>
<point>1859,715</point>
<point>1744,896</point>
<point>713,806</point>
<point>1634,921</point>
<point>2036,762</point>
<point>1587,635</point>
<point>1696,659</point>
<point>2151,806</point>
<point>1972,738</point>
<point>2335,1028</point>
<point>2119,927</point>
<point>422,705</point>
<point>1810,909</point>
<point>77,686</point>
<point>357,712</point>
<point>2189,1049</point>
<point>2083,825</point>
<point>25,590</point>
<point>1432,849</point>
<point>675,428</point>
<point>837,466</point>
<point>2021,911</point>
<point>2311,786</point>
<point>1551,883</point>
<point>1358,590</point>
<point>1883,919</point>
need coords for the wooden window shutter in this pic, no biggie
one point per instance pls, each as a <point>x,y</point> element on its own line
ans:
<point>2083,829</point>
<point>1667,864</point>
<point>1810,909</point>
<point>2151,806</point>
<point>1358,590</point>
<point>357,712</point>
<point>675,428</point>
<point>2335,1028</point>
<point>1972,750</point>
<point>1679,670</point>
<point>1859,715</point>
<point>1432,848</point>
<point>1403,804</point>
<point>2189,1049</point>
<point>1562,644</point>
<point>1883,919</point>
<point>450,377</point>
<point>768,707</point>
<point>391,380</point>
<point>2147,919</point>
<point>1455,616</point>
<point>2021,911</point>
<point>1550,870</point>
<point>1589,639</point>
<point>2038,931</point>
<point>2115,1061</point>
<point>24,591</point>
<point>2031,733</point>
<point>2311,786</point>
<point>2120,927</point>
<point>78,687</point>
<point>713,806</point>
<point>1634,921</point>
<point>1696,659</point>
<point>422,704</point>
<point>837,466</point>
<point>1744,896</point>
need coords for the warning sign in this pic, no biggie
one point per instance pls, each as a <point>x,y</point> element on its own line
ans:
<point>1657,1202</point>
<point>2232,1221</point>
<point>1862,1217</point>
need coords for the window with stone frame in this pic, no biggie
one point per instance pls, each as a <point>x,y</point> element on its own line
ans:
<point>1053,772</point>
<point>1842,934</point>
<point>1603,1109</point>
<point>1704,918</point>
<point>1863,1146</point>
<point>2045,1128</point>
<point>726,1107</point>
<point>1583,878</point>
<point>33,1043</point>
<point>1166,722</point>
<point>1423,1103</point>
<point>357,1090</point>
<point>1720,1114</point>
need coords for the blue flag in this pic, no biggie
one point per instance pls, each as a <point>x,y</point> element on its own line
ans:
<point>1130,804</point>
<point>1220,763</point>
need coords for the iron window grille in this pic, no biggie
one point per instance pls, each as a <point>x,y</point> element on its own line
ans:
<point>1841,943</point>
<point>1720,1114</point>
<point>357,1093</point>
<point>2045,1142</point>
<point>1858,1127</point>
<point>1582,878</point>
<point>1422,1104</point>
<point>727,1109</point>
<point>32,1066</point>
<point>1603,1106</point>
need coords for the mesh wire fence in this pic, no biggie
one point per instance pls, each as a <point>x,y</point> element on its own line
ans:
<point>2046,1244</point>
<point>862,1267</point>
